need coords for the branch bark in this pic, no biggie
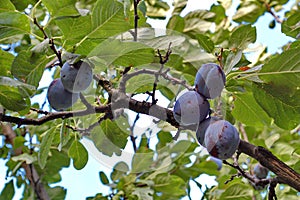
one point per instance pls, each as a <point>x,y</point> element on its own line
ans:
<point>285,174</point>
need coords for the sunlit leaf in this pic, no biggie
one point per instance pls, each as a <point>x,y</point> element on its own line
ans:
<point>242,36</point>
<point>79,154</point>
<point>248,111</point>
<point>59,8</point>
<point>8,191</point>
<point>29,67</point>
<point>237,191</point>
<point>45,147</point>
<point>291,26</point>
<point>13,24</point>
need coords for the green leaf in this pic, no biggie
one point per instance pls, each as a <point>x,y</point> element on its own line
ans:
<point>24,157</point>
<point>142,160</point>
<point>285,115</point>
<point>157,9</point>
<point>249,11</point>
<point>6,5</point>
<point>279,96</point>
<point>123,53</point>
<point>8,191</point>
<point>139,84</point>
<point>5,63</point>
<point>165,183</point>
<point>74,29</point>
<point>232,59</point>
<point>145,193</point>
<point>220,13</point>
<point>45,147</point>
<point>238,191</point>
<point>248,111</point>
<point>198,21</point>
<point>119,170</point>
<point>79,154</point>
<point>242,36</point>
<point>13,24</point>
<point>179,5</point>
<point>291,26</point>
<point>111,22</point>
<point>176,23</point>
<point>29,67</point>
<point>59,8</point>
<point>103,178</point>
<point>110,137</point>
<point>205,43</point>
<point>56,192</point>
<point>192,172</point>
<point>64,135</point>
<point>14,95</point>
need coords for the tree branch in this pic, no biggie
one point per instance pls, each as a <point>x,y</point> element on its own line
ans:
<point>266,158</point>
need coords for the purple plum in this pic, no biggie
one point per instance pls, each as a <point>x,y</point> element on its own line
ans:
<point>59,98</point>
<point>200,132</point>
<point>76,77</point>
<point>190,108</point>
<point>260,171</point>
<point>210,80</point>
<point>221,139</point>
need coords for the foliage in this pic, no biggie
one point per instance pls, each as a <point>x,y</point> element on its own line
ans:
<point>261,95</point>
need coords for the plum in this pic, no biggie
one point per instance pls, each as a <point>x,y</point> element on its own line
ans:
<point>210,80</point>
<point>221,139</point>
<point>260,171</point>
<point>59,98</point>
<point>190,108</point>
<point>76,77</point>
<point>218,161</point>
<point>200,132</point>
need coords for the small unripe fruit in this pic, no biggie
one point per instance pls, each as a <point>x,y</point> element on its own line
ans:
<point>201,129</point>
<point>76,77</point>
<point>221,139</point>
<point>190,108</point>
<point>260,171</point>
<point>210,80</point>
<point>59,98</point>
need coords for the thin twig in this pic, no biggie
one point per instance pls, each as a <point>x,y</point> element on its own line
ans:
<point>51,42</point>
<point>39,111</point>
<point>85,102</point>
<point>220,58</point>
<point>132,137</point>
<point>276,17</point>
<point>163,74</point>
<point>87,131</point>
<point>243,131</point>
<point>136,18</point>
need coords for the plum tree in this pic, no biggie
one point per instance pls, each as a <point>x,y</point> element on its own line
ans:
<point>138,70</point>
<point>201,129</point>
<point>190,108</point>
<point>210,80</point>
<point>58,97</point>
<point>76,77</point>
<point>260,171</point>
<point>221,139</point>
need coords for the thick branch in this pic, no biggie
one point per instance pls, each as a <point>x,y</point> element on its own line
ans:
<point>266,158</point>
<point>285,174</point>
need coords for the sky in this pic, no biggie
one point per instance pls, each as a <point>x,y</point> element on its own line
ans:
<point>85,182</point>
